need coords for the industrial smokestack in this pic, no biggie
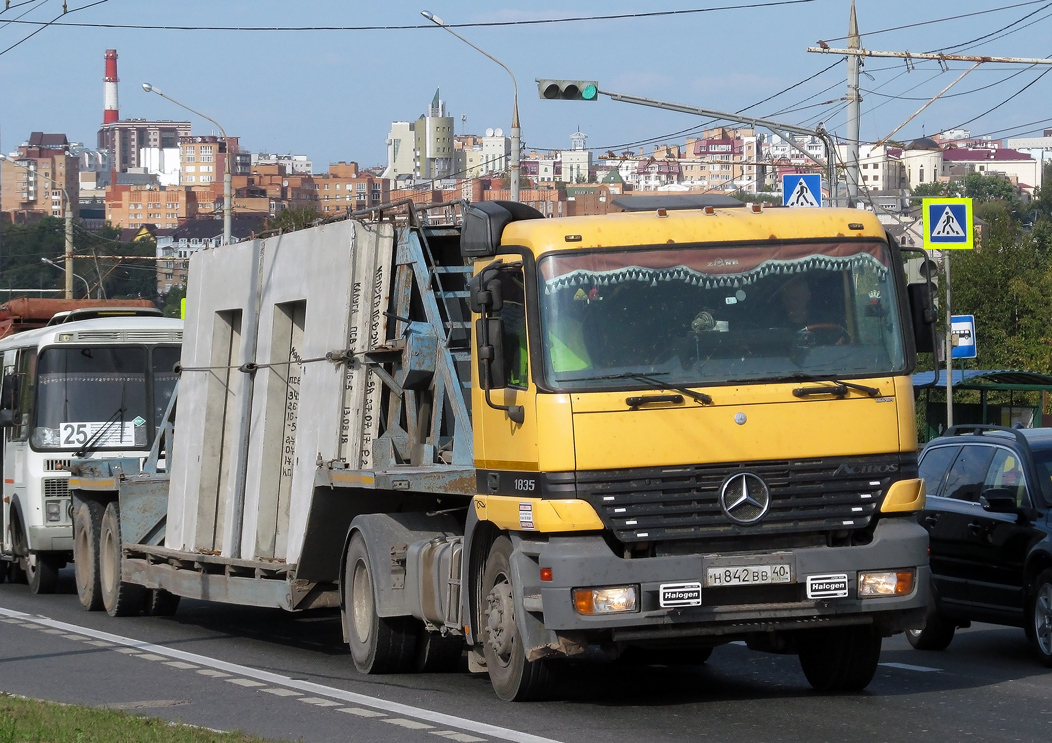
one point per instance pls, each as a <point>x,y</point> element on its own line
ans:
<point>110,112</point>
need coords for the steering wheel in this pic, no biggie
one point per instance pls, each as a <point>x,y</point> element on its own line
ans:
<point>827,334</point>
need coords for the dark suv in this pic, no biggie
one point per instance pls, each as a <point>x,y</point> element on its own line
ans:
<point>987,515</point>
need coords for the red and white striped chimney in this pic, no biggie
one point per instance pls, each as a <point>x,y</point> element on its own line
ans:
<point>110,113</point>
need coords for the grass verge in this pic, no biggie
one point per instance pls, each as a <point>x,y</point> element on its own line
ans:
<point>31,721</point>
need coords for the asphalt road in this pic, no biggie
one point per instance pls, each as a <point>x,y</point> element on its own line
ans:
<point>289,677</point>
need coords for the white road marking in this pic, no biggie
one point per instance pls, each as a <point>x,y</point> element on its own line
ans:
<point>152,656</point>
<point>127,651</point>
<point>411,724</point>
<point>439,718</point>
<point>908,667</point>
<point>245,682</point>
<point>75,637</point>
<point>98,643</point>
<point>179,664</point>
<point>281,692</point>
<point>319,702</point>
<point>213,673</point>
<point>462,737</point>
<point>361,712</point>
<point>54,632</point>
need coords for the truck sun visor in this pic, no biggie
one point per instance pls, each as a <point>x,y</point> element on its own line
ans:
<point>484,223</point>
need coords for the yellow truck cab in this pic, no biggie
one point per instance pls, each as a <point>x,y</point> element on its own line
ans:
<point>698,425</point>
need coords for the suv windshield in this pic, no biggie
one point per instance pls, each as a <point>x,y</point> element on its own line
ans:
<point>101,395</point>
<point>710,315</point>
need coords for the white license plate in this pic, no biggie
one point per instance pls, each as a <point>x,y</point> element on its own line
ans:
<point>747,575</point>
<point>679,594</point>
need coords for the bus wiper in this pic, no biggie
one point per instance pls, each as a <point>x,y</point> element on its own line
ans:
<point>89,445</point>
<point>699,397</point>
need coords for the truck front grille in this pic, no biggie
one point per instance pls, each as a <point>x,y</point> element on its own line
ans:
<point>679,503</point>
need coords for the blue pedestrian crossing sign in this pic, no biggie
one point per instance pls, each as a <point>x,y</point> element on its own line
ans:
<point>962,333</point>
<point>948,224</point>
<point>802,189</point>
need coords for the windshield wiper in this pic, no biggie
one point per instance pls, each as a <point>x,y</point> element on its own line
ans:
<point>90,444</point>
<point>699,397</point>
<point>837,387</point>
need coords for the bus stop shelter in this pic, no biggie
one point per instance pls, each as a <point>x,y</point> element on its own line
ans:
<point>1013,399</point>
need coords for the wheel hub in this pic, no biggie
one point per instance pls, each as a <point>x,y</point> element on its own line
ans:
<point>1043,618</point>
<point>500,619</point>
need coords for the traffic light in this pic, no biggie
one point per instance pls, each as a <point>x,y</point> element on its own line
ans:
<point>568,90</point>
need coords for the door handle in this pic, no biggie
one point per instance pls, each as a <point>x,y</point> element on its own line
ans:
<point>931,519</point>
<point>975,527</point>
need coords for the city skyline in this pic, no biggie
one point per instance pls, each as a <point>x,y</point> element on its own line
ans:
<point>332,95</point>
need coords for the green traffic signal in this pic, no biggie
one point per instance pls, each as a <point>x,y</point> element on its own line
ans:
<point>568,90</point>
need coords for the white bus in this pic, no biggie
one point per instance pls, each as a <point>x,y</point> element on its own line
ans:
<point>91,388</point>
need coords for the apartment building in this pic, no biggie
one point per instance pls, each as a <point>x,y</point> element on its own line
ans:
<point>43,173</point>
<point>162,206</point>
<point>126,139</point>
<point>175,246</point>
<point>345,188</point>
<point>423,149</point>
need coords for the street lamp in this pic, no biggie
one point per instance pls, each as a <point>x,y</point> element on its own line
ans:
<point>87,289</point>
<point>226,175</point>
<point>68,220</point>
<point>515,132</point>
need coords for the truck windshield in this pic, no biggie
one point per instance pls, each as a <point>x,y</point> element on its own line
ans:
<point>102,396</point>
<point>707,315</point>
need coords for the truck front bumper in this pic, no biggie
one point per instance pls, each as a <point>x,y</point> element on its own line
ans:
<point>587,561</point>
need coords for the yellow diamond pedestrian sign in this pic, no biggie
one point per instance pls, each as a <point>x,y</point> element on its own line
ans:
<point>948,224</point>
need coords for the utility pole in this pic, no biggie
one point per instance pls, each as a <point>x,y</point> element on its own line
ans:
<point>948,344</point>
<point>854,109</point>
<point>69,250</point>
<point>855,52</point>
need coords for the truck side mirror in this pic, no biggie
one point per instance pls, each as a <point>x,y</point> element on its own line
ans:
<point>922,316</point>
<point>490,335</point>
<point>484,291</point>
<point>7,418</point>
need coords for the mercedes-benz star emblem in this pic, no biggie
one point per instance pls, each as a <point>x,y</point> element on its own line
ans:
<point>745,498</point>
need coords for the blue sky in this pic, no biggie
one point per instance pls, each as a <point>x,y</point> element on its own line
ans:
<point>331,94</point>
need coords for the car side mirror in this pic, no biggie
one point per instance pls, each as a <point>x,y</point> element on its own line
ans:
<point>998,500</point>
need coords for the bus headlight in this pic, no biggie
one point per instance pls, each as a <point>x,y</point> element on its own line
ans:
<point>613,600</point>
<point>53,508</point>
<point>886,583</point>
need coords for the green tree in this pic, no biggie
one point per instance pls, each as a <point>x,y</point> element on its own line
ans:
<point>173,301</point>
<point>293,218</point>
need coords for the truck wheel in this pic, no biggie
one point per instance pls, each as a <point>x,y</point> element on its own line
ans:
<point>840,658</point>
<point>378,644</point>
<point>3,570</point>
<point>514,678</point>
<point>42,572</point>
<point>87,528</point>
<point>15,573</point>
<point>161,603</point>
<point>438,653</point>
<point>120,599</point>
<point>1039,617</point>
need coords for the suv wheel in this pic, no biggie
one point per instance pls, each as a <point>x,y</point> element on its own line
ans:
<point>1039,619</point>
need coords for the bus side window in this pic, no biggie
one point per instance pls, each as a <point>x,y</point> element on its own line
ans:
<point>25,393</point>
<point>8,390</point>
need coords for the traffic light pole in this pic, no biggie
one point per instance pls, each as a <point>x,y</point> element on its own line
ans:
<point>781,129</point>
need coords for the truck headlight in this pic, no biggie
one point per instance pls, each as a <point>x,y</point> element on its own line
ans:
<point>886,583</point>
<point>613,600</point>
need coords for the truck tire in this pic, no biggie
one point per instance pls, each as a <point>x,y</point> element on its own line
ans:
<point>840,658</point>
<point>42,572</point>
<point>161,603</point>
<point>3,570</point>
<point>120,599</point>
<point>1039,617</point>
<point>378,644</point>
<point>15,573</point>
<point>87,528</point>
<point>438,653</point>
<point>513,678</point>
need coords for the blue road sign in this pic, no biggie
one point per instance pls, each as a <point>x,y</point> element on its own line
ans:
<point>947,223</point>
<point>802,190</point>
<point>962,329</point>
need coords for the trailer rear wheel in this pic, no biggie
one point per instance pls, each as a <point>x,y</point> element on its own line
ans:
<point>840,658</point>
<point>514,678</point>
<point>87,528</point>
<point>161,603</point>
<point>120,599</point>
<point>378,644</point>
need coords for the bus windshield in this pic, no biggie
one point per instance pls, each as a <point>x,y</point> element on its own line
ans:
<point>705,315</point>
<point>103,397</point>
